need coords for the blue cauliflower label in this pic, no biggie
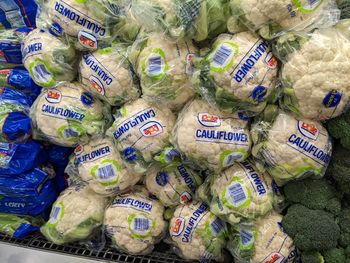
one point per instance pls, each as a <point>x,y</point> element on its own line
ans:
<point>140,225</point>
<point>55,29</point>
<point>222,57</point>
<point>130,154</point>
<point>7,151</point>
<point>61,113</point>
<point>95,154</point>
<point>186,176</point>
<point>87,99</point>
<point>257,181</point>
<point>162,178</point>
<point>332,99</point>
<point>259,93</point>
<point>246,238</point>
<point>129,202</point>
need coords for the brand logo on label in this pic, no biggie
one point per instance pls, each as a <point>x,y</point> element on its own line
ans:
<point>97,85</point>
<point>87,40</point>
<point>79,149</point>
<point>53,96</point>
<point>209,120</point>
<point>185,197</point>
<point>270,60</point>
<point>162,178</point>
<point>151,129</point>
<point>178,227</point>
<point>332,99</point>
<point>274,258</point>
<point>308,130</point>
<point>259,93</point>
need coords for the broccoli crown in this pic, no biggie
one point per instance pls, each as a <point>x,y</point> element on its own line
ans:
<point>312,257</point>
<point>314,194</point>
<point>311,230</point>
<point>344,224</point>
<point>339,128</point>
<point>339,168</point>
<point>334,255</point>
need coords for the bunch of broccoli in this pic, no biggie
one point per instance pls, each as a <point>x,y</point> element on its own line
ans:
<point>317,221</point>
<point>339,128</point>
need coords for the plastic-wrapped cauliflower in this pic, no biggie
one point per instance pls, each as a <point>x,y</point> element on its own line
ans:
<point>240,192</point>
<point>239,73</point>
<point>196,233</point>
<point>211,137</point>
<point>48,59</point>
<point>141,130</point>
<point>135,222</point>
<point>67,115</point>
<point>99,164</point>
<point>315,72</point>
<point>289,148</point>
<point>173,184</point>
<point>274,18</point>
<point>91,23</point>
<point>77,212</point>
<point>165,69</point>
<point>191,19</point>
<point>108,74</point>
<point>262,241</point>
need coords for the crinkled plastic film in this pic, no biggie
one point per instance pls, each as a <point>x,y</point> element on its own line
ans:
<point>99,164</point>
<point>68,115</point>
<point>274,18</point>
<point>239,73</point>
<point>108,74</point>
<point>210,137</point>
<point>75,215</point>
<point>135,222</point>
<point>141,131</point>
<point>261,241</point>
<point>17,226</point>
<point>203,240</point>
<point>48,58</point>
<point>289,148</point>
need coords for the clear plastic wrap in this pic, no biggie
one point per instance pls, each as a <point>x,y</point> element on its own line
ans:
<point>240,193</point>
<point>68,115</point>
<point>77,212</point>
<point>174,184</point>
<point>196,233</point>
<point>211,137</point>
<point>191,19</point>
<point>141,130</point>
<point>277,17</point>
<point>165,70</point>
<point>315,72</point>
<point>239,73</point>
<point>289,148</point>
<point>108,74</point>
<point>261,241</point>
<point>91,24</point>
<point>18,227</point>
<point>99,164</point>
<point>48,59</point>
<point>135,222</point>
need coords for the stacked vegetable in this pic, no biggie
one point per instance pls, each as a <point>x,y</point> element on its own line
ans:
<point>208,124</point>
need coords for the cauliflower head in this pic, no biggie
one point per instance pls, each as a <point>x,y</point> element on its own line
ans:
<point>239,73</point>
<point>67,115</point>
<point>315,81</point>
<point>173,184</point>
<point>141,130</point>
<point>275,17</point>
<point>242,192</point>
<point>290,148</point>
<point>100,165</point>
<point>211,137</point>
<point>77,212</point>
<point>48,59</point>
<point>165,69</point>
<point>196,233</point>
<point>262,241</point>
<point>135,222</point>
<point>108,74</point>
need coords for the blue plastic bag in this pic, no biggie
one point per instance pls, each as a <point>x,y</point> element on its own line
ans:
<point>18,13</point>
<point>19,226</point>
<point>15,98</point>
<point>15,127</point>
<point>59,155</point>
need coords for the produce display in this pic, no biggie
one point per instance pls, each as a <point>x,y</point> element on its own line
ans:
<point>215,130</point>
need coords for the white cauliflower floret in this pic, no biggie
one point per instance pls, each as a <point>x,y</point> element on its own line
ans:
<point>244,72</point>
<point>291,148</point>
<point>135,222</point>
<point>241,192</point>
<point>165,69</point>
<point>196,233</point>
<point>173,184</point>
<point>316,75</point>
<point>74,215</point>
<point>48,59</point>
<point>209,136</point>
<point>262,241</point>
<point>141,130</point>
<point>100,165</point>
<point>107,74</point>
<point>67,115</point>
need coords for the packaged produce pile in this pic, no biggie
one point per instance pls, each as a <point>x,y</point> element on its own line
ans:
<point>220,127</point>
